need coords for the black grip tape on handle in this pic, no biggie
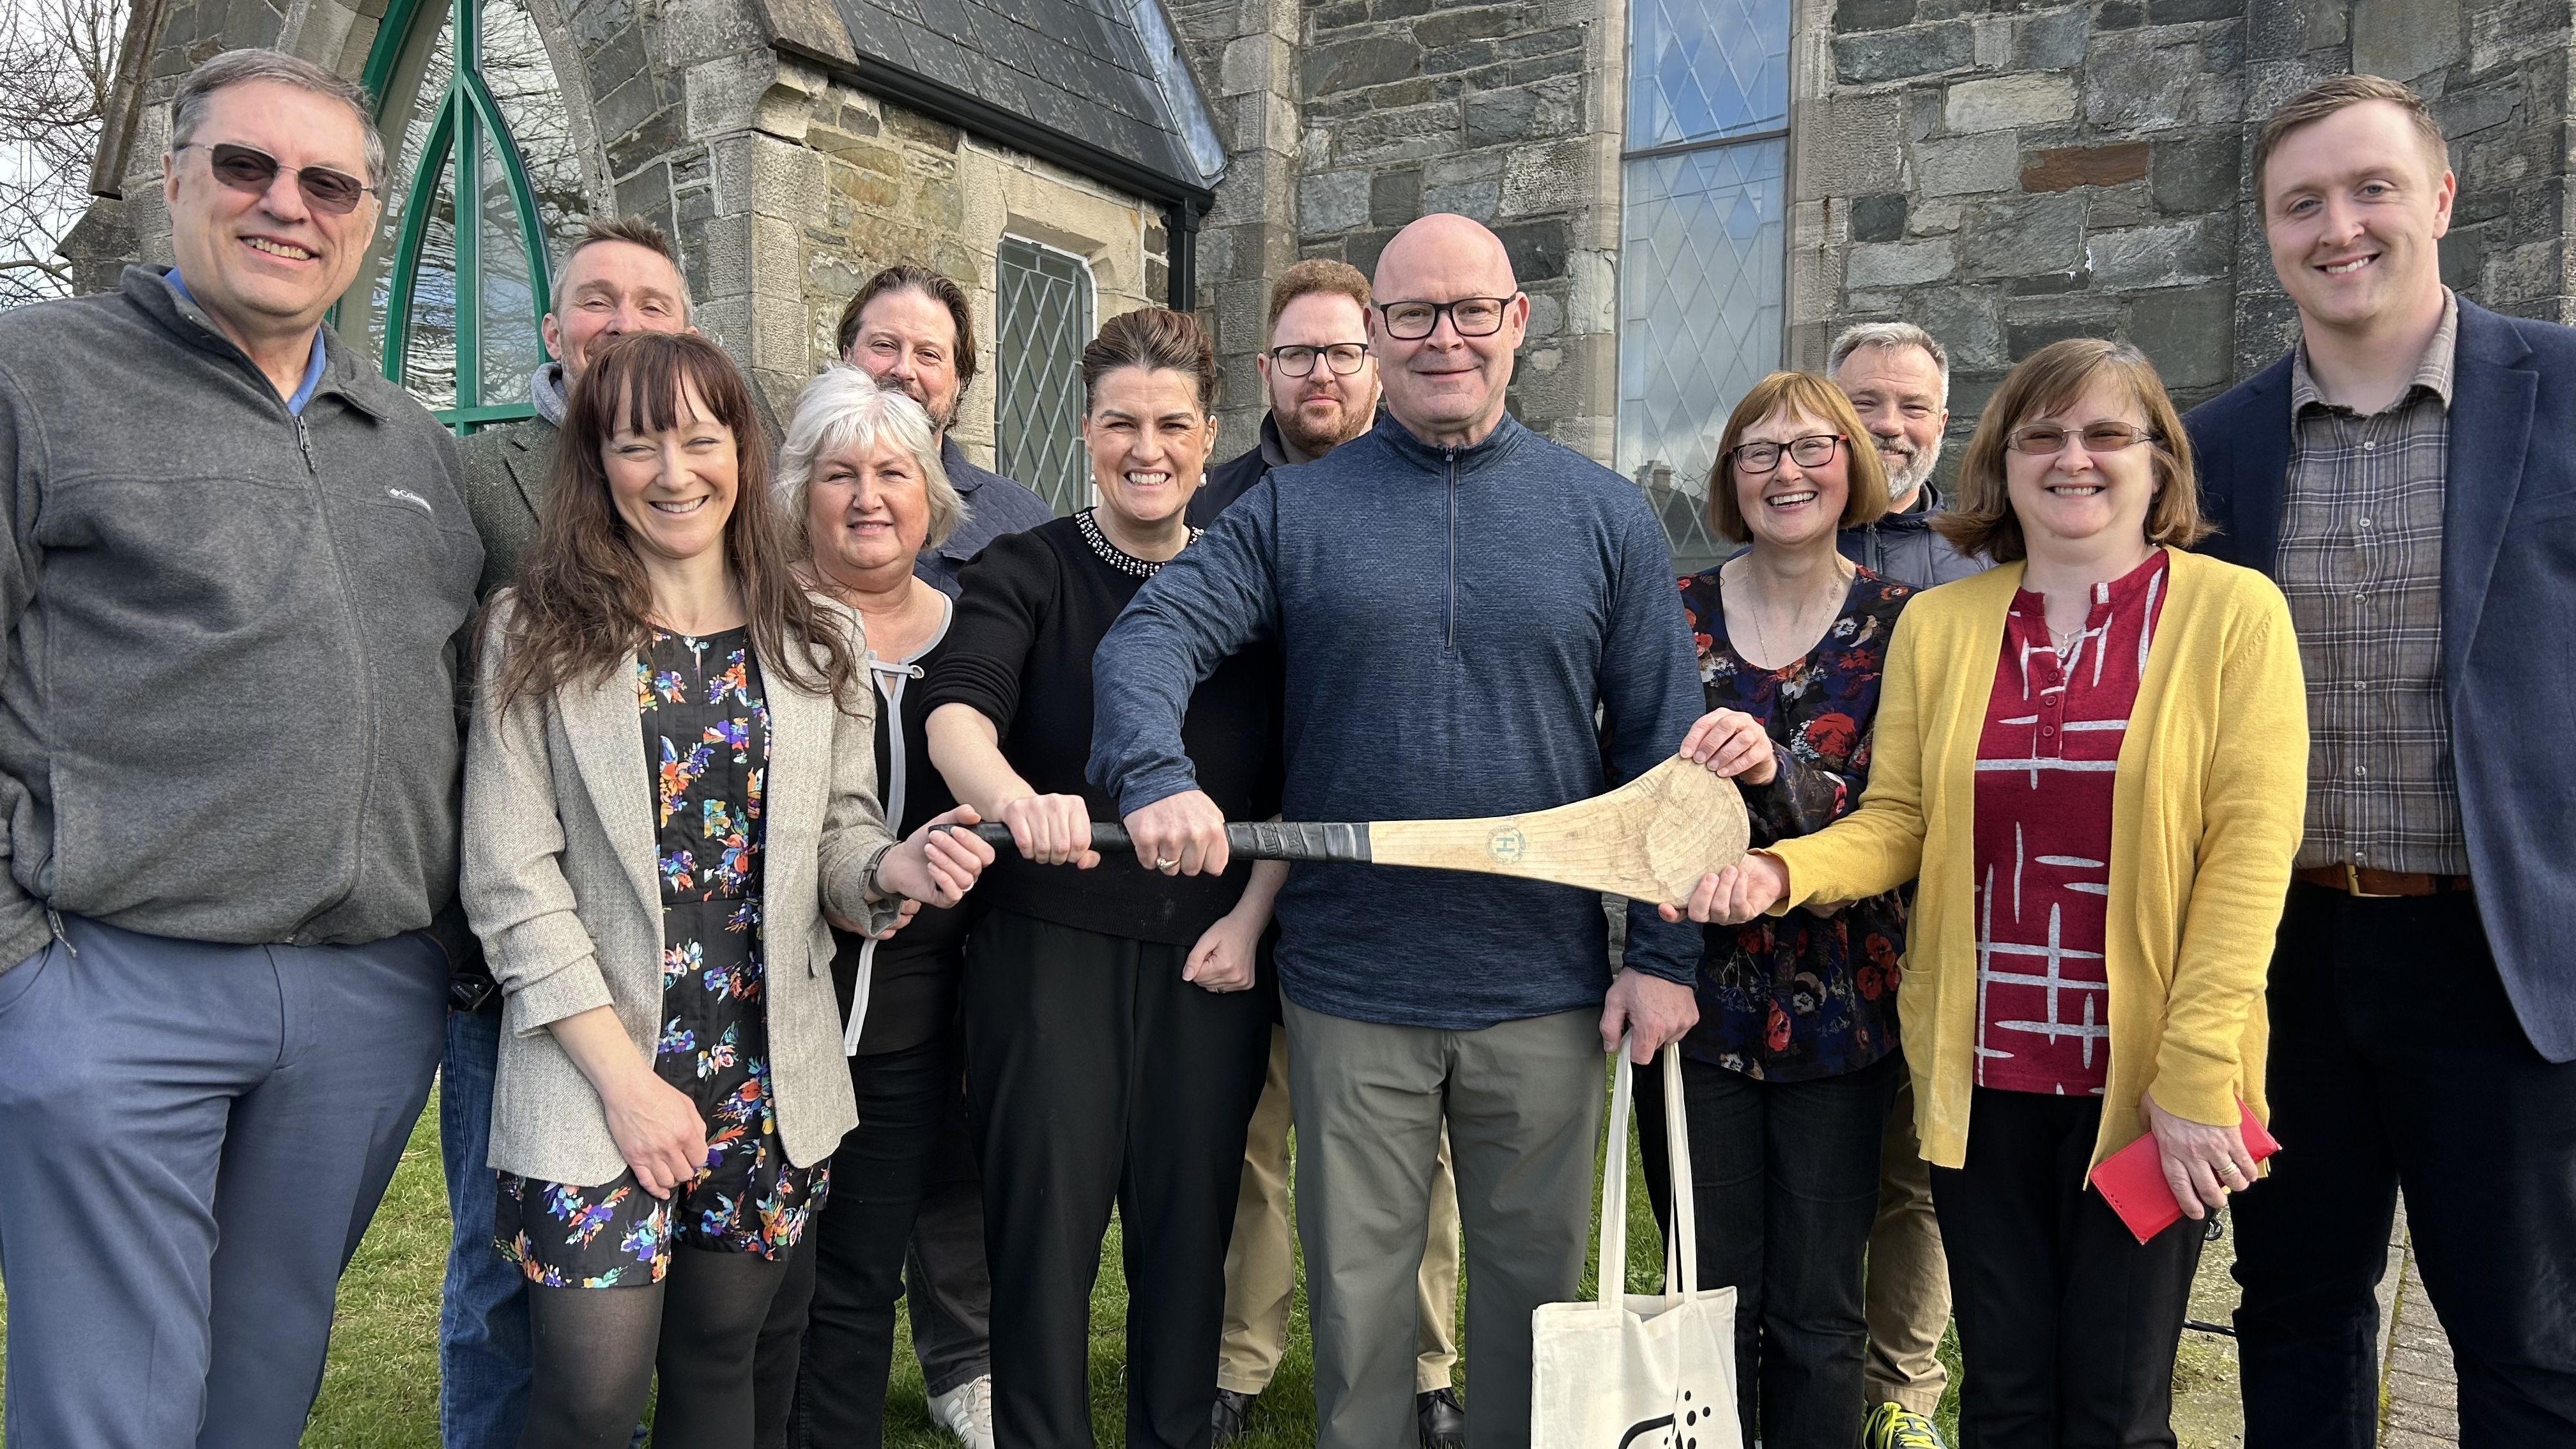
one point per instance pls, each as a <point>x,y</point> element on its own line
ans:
<point>1262,840</point>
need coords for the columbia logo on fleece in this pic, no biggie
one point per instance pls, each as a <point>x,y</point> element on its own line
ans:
<point>407,496</point>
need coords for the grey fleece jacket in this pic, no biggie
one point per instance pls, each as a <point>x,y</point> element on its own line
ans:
<point>229,707</point>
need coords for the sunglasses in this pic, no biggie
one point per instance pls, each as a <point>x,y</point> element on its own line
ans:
<point>246,169</point>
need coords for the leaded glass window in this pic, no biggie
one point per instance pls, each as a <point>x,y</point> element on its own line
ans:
<point>1043,309</point>
<point>454,293</point>
<point>1703,254</point>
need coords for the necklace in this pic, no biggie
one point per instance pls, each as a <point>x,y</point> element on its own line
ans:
<point>1116,557</point>
<point>1794,625</point>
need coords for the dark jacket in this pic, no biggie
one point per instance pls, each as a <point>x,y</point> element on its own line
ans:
<point>1234,477</point>
<point>229,710</point>
<point>2508,574</point>
<point>506,472</point>
<point>1450,621</point>
<point>1904,547</point>
<point>995,505</point>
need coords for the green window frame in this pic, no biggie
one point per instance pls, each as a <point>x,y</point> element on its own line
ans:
<point>467,119</point>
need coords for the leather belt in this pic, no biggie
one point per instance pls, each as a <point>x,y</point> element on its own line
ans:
<point>2361,881</point>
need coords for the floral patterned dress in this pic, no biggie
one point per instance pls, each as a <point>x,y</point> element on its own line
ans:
<point>706,742</point>
<point>1802,996</point>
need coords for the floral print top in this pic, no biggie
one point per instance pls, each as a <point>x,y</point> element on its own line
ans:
<point>1802,996</point>
<point>706,736</point>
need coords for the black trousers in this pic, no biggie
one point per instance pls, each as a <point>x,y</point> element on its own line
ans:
<point>842,1286</point>
<point>2396,1060</point>
<point>1785,1183</point>
<point>948,1288</point>
<point>1096,1077</point>
<point>2067,1324</point>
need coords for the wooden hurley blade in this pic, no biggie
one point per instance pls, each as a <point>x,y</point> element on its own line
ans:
<point>1650,840</point>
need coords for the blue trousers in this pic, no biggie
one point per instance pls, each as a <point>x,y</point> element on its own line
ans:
<point>146,1310</point>
<point>483,1313</point>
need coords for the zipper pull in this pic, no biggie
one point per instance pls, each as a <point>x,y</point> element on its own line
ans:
<point>54,919</point>
<point>304,440</point>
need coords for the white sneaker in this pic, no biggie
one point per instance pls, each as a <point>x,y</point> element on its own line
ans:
<point>967,1412</point>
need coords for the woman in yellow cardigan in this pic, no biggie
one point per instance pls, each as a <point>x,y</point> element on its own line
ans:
<point>2094,757</point>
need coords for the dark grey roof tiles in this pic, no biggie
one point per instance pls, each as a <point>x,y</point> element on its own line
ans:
<point>1077,67</point>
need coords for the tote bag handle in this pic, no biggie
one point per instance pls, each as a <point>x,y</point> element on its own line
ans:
<point>1681,1245</point>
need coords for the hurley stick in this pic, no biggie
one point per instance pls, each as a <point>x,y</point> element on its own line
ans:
<point>1650,840</point>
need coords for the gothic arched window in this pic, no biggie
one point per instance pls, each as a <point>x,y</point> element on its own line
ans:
<point>485,186</point>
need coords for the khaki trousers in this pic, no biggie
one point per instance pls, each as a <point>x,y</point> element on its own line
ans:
<point>1908,1284</point>
<point>1260,1266</point>
<point>1522,1101</point>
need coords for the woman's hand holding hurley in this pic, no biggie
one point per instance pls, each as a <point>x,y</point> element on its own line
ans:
<point>1051,829</point>
<point>1733,745</point>
<point>1737,894</point>
<point>938,865</point>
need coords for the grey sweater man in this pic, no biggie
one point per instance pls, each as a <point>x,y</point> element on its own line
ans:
<point>228,770</point>
<point>230,693</point>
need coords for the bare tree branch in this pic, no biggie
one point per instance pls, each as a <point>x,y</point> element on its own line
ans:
<point>57,67</point>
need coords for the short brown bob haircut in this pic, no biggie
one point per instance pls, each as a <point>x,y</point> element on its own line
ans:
<point>2334,94</point>
<point>1980,517</point>
<point>1818,398</point>
<point>1313,275</point>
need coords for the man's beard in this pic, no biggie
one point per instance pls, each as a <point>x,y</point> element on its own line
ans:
<point>1315,443</point>
<point>1912,472</point>
<point>939,420</point>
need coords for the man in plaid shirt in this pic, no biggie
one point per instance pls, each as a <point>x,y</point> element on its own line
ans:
<point>2404,476</point>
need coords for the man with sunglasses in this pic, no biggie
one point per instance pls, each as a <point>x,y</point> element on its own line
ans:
<point>1323,392</point>
<point>1458,601</point>
<point>239,574</point>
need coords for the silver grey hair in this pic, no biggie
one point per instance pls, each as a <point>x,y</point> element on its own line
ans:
<point>844,410</point>
<point>241,67</point>
<point>1891,334</point>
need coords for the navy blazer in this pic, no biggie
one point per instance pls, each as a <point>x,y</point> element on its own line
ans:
<point>2508,604</point>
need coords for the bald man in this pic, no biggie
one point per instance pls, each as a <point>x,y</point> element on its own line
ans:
<point>1455,596</point>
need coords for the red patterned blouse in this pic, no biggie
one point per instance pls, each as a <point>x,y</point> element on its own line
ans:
<point>2045,764</point>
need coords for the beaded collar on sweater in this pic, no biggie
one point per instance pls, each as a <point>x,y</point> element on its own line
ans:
<point>1116,557</point>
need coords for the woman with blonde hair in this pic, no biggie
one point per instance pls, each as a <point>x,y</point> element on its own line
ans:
<point>864,495</point>
<point>2094,755</point>
<point>668,785</point>
<point>1790,1070</point>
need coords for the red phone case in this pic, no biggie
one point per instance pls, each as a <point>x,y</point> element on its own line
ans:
<point>2132,1179</point>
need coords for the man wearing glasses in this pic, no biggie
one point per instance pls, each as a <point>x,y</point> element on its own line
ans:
<point>1323,393</point>
<point>239,572</point>
<point>1456,599</point>
<point>1321,384</point>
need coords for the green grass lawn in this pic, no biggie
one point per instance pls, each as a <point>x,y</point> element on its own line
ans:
<point>381,1388</point>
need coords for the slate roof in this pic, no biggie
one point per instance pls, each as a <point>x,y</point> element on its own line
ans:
<point>1076,67</point>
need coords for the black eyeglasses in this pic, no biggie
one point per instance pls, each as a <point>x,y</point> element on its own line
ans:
<point>2048,439</point>
<point>1472,316</point>
<point>1812,451</point>
<point>248,169</point>
<point>1297,361</point>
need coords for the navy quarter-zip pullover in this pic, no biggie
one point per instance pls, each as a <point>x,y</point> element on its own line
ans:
<point>1451,622</point>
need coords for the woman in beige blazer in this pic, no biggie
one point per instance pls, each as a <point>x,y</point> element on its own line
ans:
<point>670,790</point>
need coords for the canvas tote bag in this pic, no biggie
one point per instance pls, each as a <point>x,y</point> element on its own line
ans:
<point>1638,1370</point>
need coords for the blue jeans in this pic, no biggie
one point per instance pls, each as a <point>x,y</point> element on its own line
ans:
<point>483,1317</point>
<point>135,1073</point>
